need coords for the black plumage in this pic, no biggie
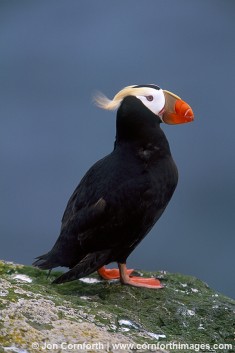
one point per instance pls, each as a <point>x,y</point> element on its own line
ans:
<point>119,199</point>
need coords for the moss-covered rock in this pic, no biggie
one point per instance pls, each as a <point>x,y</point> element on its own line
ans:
<point>93,316</point>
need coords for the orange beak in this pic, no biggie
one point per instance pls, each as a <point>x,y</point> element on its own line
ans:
<point>176,111</point>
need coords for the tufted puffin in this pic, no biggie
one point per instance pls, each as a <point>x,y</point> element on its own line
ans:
<point>123,195</point>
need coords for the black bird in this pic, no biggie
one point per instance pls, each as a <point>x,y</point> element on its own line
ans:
<point>121,196</point>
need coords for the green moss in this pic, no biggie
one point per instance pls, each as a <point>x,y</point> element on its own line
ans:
<point>181,313</point>
<point>186,310</point>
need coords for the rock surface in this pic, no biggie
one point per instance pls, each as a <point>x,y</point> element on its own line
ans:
<point>91,315</point>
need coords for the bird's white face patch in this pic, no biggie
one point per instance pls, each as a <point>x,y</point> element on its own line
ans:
<point>153,99</point>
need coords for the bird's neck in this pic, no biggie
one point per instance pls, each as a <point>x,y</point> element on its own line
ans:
<point>139,128</point>
<point>152,142</point>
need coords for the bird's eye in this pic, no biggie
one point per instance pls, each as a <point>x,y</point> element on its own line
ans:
<point>149,98</point>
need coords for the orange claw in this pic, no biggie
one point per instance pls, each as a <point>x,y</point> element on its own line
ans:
<point>112,273</point>
<point>138,281</point>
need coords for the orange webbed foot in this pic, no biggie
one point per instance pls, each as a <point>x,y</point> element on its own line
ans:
<point>152,283</point>
<point>111,273</point>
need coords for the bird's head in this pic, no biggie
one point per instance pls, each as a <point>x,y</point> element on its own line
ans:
<point>170,108</point>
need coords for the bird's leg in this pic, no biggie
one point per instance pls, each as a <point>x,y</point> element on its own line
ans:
<point>137,281</point>
<point>49,273</point>
<point>111,273</point>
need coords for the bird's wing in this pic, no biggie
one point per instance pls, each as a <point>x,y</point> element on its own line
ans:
<point>111,211</point>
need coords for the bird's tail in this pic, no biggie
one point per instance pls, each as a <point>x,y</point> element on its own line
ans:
<point>90,263</point>
<point>46,262</point>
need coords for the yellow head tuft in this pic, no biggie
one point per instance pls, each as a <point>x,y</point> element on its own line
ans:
<point>111,104</point>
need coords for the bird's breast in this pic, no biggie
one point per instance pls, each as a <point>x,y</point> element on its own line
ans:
<point>148,153</point>
<point>162,179</point>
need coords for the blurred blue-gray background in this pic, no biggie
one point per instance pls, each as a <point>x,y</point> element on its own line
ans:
<point>54,55</point>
